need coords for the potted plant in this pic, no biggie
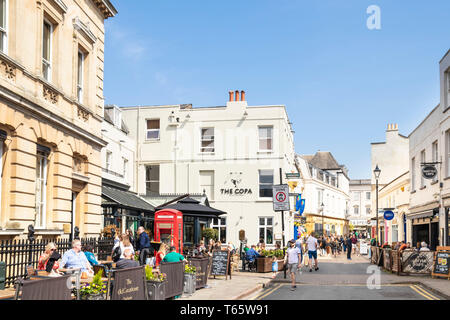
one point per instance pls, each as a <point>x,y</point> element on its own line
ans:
<point>190,279</point>
<point>264,262</point>
<point>96,290</point>
<point>156,283</point>
<point>210,233</point>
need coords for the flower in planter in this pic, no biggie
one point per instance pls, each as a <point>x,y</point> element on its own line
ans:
<point>97,286</point>
<point>189,269</point>
<point>154,275</point>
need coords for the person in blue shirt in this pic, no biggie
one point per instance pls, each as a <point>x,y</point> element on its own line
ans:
<point>251,254</point>
<point>75,258</point>
<point>89,255</point>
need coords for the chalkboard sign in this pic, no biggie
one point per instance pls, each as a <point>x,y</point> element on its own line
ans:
<point>220,263</point>
<point>441,262</point>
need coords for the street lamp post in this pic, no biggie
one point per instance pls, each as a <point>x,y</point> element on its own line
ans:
<point>377,172</point>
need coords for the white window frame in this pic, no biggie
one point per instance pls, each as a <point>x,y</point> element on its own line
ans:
<point>4,30</point>
<point>265,226</point>
<point>149,180</point>
<point>435,155</point>
<point>108,160</point>
<point>356,196</point>
<point>271,138</point>
<point>204,186</point>
<point>447,146</point>
<point>80,74</point>
<point>41,190</point>
<point>212,138</point>
<point>152,130</point>
<point>264,183</point>
<point>423,157</point>
<point>413,174</point>
<point>44,61</point>
<point>219,226</point>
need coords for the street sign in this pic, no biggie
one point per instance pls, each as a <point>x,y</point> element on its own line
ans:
<point>294,175</point>
<point>281,197</point>
<point>388,215</point>
<point>429,171</point>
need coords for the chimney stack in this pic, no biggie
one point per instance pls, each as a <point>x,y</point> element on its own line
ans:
<point>231,95</point>
<point>242,95</point>
<point>236,95</point>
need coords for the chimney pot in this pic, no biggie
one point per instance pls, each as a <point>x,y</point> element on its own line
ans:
<point>231,95</point>
<point>242,95</point>
<point>236,95</point>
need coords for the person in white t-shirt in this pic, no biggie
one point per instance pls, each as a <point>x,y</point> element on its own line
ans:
<point>292,261</point>
<point>312,245</point>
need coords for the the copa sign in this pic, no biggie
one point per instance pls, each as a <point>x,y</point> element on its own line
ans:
<point>429,171</point>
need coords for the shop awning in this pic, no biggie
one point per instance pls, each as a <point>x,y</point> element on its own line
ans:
<point>192,207</point>
<point>125,199</point>
<point>424,214</point>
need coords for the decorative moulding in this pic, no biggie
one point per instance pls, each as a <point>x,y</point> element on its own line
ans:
<point>61,5</point>
<point>84,29</point>
<point>50,94</point>
<point>83,114</point>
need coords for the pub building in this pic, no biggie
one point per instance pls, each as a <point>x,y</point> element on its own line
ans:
<point>234,152</point>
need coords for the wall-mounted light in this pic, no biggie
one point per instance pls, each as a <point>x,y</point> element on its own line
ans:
<point>245,113</point>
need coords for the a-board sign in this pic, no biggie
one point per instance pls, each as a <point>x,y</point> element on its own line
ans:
<point>241,235</point>
<point>220,263</point>
<point>441,262</point>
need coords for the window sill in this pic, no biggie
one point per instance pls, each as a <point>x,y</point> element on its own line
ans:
<point>48,232</point>
<point>11,232</point>
<point>446,109</point>
<point>434,182</point>
<point>421,188</point>
<point>152,140</point>
<point>206,153</point>
<point>265,151</point>
<point>448,178</point>
<point>264,200</point>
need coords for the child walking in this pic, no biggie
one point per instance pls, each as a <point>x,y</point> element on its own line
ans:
<point>274,267</point>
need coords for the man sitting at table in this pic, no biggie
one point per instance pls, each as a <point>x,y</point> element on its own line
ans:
<point>173,256</point>
<point>75,258</point>
<point>128,261</point>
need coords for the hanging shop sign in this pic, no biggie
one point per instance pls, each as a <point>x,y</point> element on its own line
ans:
<point>429,171</point>
<point>388,215</point>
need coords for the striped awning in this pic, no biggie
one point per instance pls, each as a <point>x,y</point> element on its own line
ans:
<point>418,215</point>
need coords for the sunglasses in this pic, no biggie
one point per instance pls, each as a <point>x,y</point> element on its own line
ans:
<point>54,249</point>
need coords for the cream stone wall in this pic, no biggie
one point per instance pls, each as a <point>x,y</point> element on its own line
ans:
<point>36,111</point>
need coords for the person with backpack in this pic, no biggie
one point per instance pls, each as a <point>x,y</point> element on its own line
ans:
<point>143,245</point>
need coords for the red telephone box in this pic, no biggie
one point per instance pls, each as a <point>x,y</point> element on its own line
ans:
<point>169,228</point>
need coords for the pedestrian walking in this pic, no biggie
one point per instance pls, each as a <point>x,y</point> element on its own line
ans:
<point>312,245</point>
<point>143,246</point>
<point>299,244</point>
<point>292,261</point>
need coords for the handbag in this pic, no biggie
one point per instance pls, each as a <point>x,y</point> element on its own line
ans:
<point>116,254</point>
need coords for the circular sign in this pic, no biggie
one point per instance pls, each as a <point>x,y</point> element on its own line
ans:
<point>388,215</point>
<point>429,172</point>
<point>280,196</point>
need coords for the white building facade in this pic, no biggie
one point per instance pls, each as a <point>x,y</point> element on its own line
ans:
<point>392,158</point>
<point>232,153</point>
<point>430,144</point>
<point>360,208</point>
<point>324,182</point>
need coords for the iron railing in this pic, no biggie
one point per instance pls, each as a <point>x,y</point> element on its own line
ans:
<point>18,254</point>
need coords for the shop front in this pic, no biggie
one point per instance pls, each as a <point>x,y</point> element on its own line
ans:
<point>125,210</point>
<point>425,228</point>
<point>325,225</point>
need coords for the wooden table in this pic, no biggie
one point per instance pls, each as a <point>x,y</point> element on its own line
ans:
<point>7,294</point>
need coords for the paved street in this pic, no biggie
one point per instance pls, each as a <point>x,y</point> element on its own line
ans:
<point>342,279</point>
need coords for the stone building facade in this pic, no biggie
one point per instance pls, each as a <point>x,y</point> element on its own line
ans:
<point>51,110</point>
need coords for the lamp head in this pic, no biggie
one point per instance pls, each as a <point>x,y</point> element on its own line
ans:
<point>377,172</point>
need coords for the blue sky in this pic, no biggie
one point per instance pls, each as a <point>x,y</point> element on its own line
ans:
<point>341,82</point>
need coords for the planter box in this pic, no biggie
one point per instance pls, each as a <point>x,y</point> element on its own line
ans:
<point>190,283</point>
<point>280,265</point>
<point>156,290</point>
<point>264,264</point>
<point>98,296</point>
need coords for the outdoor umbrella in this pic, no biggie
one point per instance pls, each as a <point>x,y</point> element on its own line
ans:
<point>192,207</point>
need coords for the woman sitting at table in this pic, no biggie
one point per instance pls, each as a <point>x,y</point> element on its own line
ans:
<point>124,244</point>
<point>160,254</point>
<point>46,257</point>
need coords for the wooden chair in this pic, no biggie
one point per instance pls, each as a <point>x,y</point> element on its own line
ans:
<point>101,267</point>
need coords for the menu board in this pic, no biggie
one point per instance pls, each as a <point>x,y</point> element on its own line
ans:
<point>441,262</point>
<point>220,263</point>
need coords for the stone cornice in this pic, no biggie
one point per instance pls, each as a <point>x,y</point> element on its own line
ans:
<point>106,7</point>
<point>84,29</point>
